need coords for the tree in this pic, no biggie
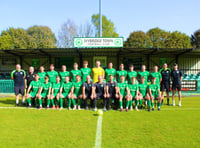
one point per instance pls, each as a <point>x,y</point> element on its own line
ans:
<point>108,28</point>
<point>138,39</point>
<point>6,41</point>
<point>177,40</point>
<point>158,37</point>
<point>41,37</point>
<point>195,39</point>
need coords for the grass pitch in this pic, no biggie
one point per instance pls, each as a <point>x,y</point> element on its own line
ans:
<point>171,127</point>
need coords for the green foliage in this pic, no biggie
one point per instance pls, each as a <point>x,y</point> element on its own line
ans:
<point>108,28</point>
<point>158,38</point>
<point>34,37</point>
<point>195,39</point>
<point>42,37</point>
<point>138,39</point>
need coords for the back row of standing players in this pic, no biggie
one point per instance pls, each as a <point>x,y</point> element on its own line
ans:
<point>119,86</point>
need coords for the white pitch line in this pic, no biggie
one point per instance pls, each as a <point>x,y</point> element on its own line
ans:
<point>98,133</point>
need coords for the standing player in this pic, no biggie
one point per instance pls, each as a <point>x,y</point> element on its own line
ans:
<point>34,85</point>
<point>45,92</point>
<point>42,74</point>
<point>18,75</point>
<point>88,92</point>
<point>52,74</point>
<point>85,71</point>
<point>77,92</point>
<point>143,94</point>
<point>110,71</point>
<point>111,91</point>
<point>97,71</point>
<point>75,72</point>
<point>121,72</point>
<point>157,75</point>
<point>154,93</point>
<point>63,73</point>
<point>176,75</point>
<point>100,92</point>
<point>65,92</point>
<point>123,93</point>
<point>165,83</point>
<point>133,87</point>
<point>55,92</point>
<point>131,73</point>
<point>143,73</point>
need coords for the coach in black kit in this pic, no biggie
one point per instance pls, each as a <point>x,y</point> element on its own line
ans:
<point>88,92</point>
<point>111,89</point>
<point>176,75</point>
<point>100,91</point>
<point>165,82</point>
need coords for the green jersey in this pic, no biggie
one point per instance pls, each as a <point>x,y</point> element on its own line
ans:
<point>56,87</point>
<point>143,74</point>
<point>157,75</point>
<point>121,73</point>
<point>67,87</point>
<point>122,87</point>
<point>77,88</point>
<point>63,75</point>
<point>73,74</point>
<point>143,89</point>
<point>131,74</point>
<point>35,85</point>
<point>52,76</point>
<point>85,72</point>
<point>46,87</point>
<point>133,89</point>
<point>154,89</point>
<point>109,72</point>
<point>42,76</point>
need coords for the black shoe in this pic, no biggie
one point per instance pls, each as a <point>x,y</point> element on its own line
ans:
<point>149,109</point>
<point>152,109</point>
<point>141,107</point>
<point>158,109</point>
<point>16,105</point>
<point>86,108</point>
<point>168,104</point>
<point>24,104</point>
<point>108,109</point>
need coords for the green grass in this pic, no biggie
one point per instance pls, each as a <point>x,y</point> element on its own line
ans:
<point>171,127</point>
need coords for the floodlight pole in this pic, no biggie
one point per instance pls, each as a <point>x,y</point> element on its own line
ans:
<point>100,19</point>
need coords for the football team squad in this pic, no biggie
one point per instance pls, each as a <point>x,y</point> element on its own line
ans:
<point>76,89</point>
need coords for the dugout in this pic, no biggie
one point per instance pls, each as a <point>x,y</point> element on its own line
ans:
<point>188,59</point>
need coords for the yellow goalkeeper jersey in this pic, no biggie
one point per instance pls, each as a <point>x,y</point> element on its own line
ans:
<point>96,72</point>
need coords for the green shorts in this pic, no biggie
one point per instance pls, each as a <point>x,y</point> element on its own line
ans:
<point>155,96</point>
<point>32,94</point>
<point>133,95</point>
<point>77,95</point>
<point>65,95</point>
<point>55,94</point>
<point>44,95</point>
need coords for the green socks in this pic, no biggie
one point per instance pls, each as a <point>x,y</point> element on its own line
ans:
<point>70,102</point>
<point>61,102</point>
<point>80,102</point>
<point>48,102</point>
<point>58,102</point>
<point>140,102</point>
<point>52,102</point>
<point>152,105</point>
<point>149,103</point>
<point>120,104</point>
<point>73,102</point>
<point>40,102</point>
<point>159,104</point>
<point>131,102</point>
<point>137,102</point>
<point>127,103</point>
<point>29,101</point>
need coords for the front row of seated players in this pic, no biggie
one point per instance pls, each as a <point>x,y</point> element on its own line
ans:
<point>111,91</point>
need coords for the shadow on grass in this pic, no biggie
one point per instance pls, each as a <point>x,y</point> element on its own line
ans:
<point>7,101</point>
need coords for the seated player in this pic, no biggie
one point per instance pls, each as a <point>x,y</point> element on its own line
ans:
<point>88,92</point>
<point>100,92</point>
<point>111,91</point>
<point>123,93</point>
<point>45,92</point>
<point>34,85</point>
<point>133,87</point>
<point>154,92</point>
<point>77,92</point>
<point>143,94</point>
<point>55,92</point>
<point>65,92</point>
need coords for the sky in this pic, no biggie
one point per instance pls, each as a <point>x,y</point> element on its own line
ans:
<point>127,15</point>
